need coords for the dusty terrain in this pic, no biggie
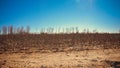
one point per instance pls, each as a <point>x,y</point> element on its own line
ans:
<point>74,59</point>
<point>60,51</point>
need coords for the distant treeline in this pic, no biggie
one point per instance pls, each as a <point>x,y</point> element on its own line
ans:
<point>13,30</point>
<point>50,30</point>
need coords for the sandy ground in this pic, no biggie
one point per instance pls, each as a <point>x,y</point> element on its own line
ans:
<point>74,59</point>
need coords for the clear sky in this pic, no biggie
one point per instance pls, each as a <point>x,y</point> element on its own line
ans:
<point>103,15</point>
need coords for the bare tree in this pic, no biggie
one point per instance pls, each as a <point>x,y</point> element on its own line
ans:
<point>51,30</point>
<point>4,29</point>
<point>8,29</point>
<point>48,30</point>
<point>72,29</point>
<point>63,30</point>
<point>14,30</point>
<point>22,30</point>
<point>84,30</point>
<point>0,31</point>
<point>41,30</point>
<point>119,31</point>
<point>95,31</point>
<point>59,30</point>
<point>18,30</point>
<point>28,29</point>
<point>11,29</point>
<point>77,30</point>
<point>67,30</point>
<point>88,31</point>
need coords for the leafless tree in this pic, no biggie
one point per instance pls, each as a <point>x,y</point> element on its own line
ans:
<point>88,31</point>
<point>8,29</point>
<point>48,30</point>
<point>67,30</point>
<point>14,30</point>
<point>73,29</point>
<point>63,30</point>
<point>77,30</point>
<point>0,31</point>
<point>4,29</point>
<point>27,29</point>
<point>11,29</point>
<point>59,30</point>
<point>84,30</point>
<point>119,30</point>
<point>22,30</point>
<point>95,31</point>
<point>18,30</point>
<point>51,30</point>
<point>41,30</point>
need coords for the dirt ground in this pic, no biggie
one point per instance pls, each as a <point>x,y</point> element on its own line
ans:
<point>73,59</point>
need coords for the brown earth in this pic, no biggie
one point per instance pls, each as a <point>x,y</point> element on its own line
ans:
<point>73,59</point>
<point>59,50</point>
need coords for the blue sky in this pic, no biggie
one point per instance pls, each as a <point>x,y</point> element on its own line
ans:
<point>103,15</point>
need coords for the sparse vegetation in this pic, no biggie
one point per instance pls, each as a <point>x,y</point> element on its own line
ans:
<point>59,42</point>
<point>62,50</point>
